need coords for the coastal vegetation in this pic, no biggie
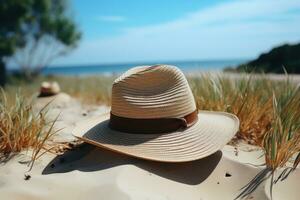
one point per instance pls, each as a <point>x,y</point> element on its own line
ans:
<point>281,59</point>
<point>20,127</point>
<point>252,100</point>
<point>269,113</point>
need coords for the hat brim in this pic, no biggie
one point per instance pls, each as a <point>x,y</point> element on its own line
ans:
<point>212,132</point>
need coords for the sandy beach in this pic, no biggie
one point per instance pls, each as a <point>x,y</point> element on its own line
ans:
<point>88,172</point>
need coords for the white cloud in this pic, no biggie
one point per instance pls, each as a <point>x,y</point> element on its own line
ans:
<point>228,30</point>
<point>111,18</point>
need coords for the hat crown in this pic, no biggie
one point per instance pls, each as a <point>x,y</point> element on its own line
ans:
<point>149,92</point>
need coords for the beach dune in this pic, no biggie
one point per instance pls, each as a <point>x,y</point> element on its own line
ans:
<point>88,172</point>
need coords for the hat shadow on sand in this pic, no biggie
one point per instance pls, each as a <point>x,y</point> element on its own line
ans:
<point>87,158</point>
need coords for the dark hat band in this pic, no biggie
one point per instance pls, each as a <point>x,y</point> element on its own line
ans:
<point>151,126</point>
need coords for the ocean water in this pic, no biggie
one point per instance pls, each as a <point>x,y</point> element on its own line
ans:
<point>185,66</point>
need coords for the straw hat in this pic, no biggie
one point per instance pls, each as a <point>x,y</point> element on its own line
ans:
<point>49,89</point>
<point>154,116</point>
<point>51,94</point>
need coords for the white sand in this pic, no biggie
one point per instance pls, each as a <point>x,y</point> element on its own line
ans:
<point>88,172</point>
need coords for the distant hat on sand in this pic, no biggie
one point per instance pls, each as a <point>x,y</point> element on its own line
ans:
<point>50,93</point>
<point>49,89</point>
<point>154,116</point>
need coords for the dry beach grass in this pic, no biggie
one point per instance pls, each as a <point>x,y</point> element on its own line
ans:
<point>269,113</point>
<point>88,89</point>
<point>21,128</point>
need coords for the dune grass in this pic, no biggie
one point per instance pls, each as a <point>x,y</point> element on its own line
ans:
<point>282,140</point>
<point>269,113</point>
<point>20,127</point>
<point>248,99</point>
<point>88,89</point>
<point>251,99</point>
<point>23,128</point>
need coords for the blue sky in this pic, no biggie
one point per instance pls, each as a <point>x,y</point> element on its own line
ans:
<point>136,31</point>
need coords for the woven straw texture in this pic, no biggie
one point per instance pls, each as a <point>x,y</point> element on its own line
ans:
<point>157,92</point>
<point>152,92</point>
